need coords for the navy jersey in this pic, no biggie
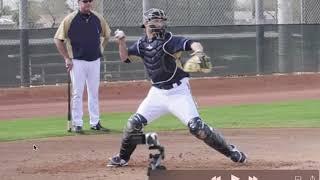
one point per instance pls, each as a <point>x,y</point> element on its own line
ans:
<point>161,57</point>
<point>85,35</point>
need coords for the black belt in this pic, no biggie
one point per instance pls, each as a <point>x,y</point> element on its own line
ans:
<point>167,86</point>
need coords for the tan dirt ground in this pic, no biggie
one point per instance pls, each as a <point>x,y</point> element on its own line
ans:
<point>84,157</point>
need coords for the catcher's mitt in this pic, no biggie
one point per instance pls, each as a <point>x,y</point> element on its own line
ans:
<point>199,62</point>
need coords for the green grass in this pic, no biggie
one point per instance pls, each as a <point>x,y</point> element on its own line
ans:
<point>286,114</point>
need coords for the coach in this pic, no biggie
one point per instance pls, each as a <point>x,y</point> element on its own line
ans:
<point>80,39</point>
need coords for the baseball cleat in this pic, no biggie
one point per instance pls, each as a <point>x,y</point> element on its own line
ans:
<point>237,156</point>
<point>116,161</point>
<point>78,130</point>
<point>99,127</point>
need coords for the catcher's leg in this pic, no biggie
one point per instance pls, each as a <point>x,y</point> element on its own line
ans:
<point>215,140</point>
<point>134,126</point>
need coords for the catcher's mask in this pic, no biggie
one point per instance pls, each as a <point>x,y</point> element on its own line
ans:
<point>155,20</point>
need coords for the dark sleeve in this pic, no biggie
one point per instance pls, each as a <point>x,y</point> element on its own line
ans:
<point>188,45</point>
<point>133,50</point>
<point>179,43</point>
<point>134,53</point>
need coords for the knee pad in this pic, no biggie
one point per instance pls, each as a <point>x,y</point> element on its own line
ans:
<point>199,129</point>
<point>134,126</point>
<point>209,135</point>
<point>136,123</point>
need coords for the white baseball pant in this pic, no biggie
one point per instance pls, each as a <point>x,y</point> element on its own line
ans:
<point>178,101</point>
<point>85,73</point>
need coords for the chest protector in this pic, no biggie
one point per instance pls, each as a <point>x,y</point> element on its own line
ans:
<point>159,63</point>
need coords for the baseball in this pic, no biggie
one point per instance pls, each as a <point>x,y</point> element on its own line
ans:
<point>119,34</point>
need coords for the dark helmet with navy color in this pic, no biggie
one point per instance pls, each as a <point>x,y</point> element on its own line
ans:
<point>154,13</point>
<point>155,20</point>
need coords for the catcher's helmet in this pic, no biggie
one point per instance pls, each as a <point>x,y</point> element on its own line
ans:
<point>151,19</point>
<point>154,13</point>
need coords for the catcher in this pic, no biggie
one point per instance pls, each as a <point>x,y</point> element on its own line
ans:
<point>170,92</point>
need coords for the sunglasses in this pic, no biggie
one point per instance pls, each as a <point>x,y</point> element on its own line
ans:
<point>86,1</point>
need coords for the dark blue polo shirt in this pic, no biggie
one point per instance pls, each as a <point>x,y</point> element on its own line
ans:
<point>85,35</point>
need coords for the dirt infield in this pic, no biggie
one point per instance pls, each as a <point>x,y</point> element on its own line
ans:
<point>84,157</point>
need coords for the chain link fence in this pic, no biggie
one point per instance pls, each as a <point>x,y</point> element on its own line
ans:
<point>227,28</point>
<point>121,13</point>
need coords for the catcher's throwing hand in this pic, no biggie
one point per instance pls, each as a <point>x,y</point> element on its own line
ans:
<point>199,62</point>
<point>118,34</point>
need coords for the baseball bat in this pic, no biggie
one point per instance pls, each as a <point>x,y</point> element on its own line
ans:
<point>69,124</point>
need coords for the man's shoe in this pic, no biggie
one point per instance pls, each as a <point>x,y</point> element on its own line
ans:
<point>116,161</point>
<point>98,127</point>
<point>78,129</point>
<point>237,156</point>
